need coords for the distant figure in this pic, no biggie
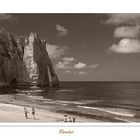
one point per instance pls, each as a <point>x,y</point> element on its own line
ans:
<point>74,119</point>
<point>26,112</point>
<point>70,119</point>
<point>65,118</point>
<point>33,112</point>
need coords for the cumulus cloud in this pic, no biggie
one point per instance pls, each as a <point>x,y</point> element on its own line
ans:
<point>68,71</point>
<point>127,32</point>
<point>93,66</point>
<point>80,65</point>
<point>70,65</point>
<point>117,19</point>
<point>63,65</point>
<point>67,63</point>
<point>69,59</point>
<point>82,73</point>
<point>126,46</point>
<point>62,31</point>
<point>55,51</point>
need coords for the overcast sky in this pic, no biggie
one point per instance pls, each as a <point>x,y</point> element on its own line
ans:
<point>85,47</point>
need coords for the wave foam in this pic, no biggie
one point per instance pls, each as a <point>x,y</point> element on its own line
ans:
<point>115,112</point>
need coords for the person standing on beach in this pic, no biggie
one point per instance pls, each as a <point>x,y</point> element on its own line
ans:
<point>65,118</point>
<point>33,112</point>
<point>26,112</point>
<point>74,119</point>
<point>70,119</point>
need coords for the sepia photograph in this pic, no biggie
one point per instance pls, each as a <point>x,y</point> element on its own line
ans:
<point>70,68</point>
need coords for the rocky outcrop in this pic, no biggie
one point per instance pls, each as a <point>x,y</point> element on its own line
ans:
<point>25,61</point>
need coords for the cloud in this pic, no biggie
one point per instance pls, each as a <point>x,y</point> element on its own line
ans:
<point>80,65</point>
<point>67,63</point>
<point>68,71</point>
<point>126,46</point>
<point>70,65</point>
<point>63,65</point>
<point>117,19</point>
<point>55,51</point>
<point>61,30</point>
<point>93,66</point>
<point>68,59</point>
<point>82,73</point>
<point>6,17</point>
<point>127,32</point>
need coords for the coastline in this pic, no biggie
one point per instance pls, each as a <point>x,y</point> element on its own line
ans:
<point>12,110</point>
<point>47,110</point>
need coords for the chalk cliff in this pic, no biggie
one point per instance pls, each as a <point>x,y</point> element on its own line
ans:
<point>25,61</point>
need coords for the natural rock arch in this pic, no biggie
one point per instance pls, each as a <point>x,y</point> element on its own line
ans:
<point>25,61</point>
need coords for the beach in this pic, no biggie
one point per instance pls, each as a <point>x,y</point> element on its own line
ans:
<point>46,110</point>
<point>12,110</point>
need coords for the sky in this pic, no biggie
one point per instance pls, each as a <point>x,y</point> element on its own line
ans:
<point>85,47</point>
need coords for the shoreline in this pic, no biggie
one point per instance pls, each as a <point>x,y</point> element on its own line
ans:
<point>12,110</point>
<point>52,111</point>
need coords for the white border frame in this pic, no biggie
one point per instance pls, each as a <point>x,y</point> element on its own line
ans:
<point>44,131</point>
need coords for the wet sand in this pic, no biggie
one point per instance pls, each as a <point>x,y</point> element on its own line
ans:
<point>47,110</point>
<point>12,110</point>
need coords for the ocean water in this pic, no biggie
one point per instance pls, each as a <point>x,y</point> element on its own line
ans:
<point>114,101</point>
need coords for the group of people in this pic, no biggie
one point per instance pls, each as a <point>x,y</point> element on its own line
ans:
<point>66,117</point>
<point>69,119</point>
<point>26,112</point>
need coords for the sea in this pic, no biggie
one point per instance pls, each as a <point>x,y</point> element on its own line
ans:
<point>104,101</point>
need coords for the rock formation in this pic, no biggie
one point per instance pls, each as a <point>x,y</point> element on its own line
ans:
<point>25,61</point>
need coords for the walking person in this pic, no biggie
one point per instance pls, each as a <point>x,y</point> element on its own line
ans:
<point>26,113</point>
<point>33,112</point>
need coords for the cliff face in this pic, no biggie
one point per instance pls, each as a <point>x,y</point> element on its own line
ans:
<point>25,61</point>
<point>9,59</point>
